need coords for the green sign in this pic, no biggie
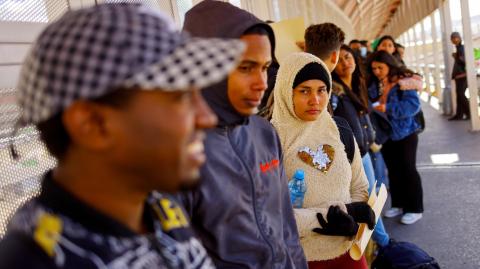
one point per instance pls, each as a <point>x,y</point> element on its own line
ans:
<point>476,53</point>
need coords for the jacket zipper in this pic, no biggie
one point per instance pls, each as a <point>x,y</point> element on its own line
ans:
<point>254,200</point>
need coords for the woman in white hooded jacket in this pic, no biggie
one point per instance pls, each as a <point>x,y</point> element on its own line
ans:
<point>336,189</point>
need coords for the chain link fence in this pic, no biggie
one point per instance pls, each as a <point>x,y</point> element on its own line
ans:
<point>32,10</point>
<point>19,179</point>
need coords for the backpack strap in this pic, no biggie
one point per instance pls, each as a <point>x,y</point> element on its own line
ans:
<point>346,136</point>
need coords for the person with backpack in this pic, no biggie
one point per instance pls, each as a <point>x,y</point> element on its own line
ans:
<point>350,101</point>
<point>394,94</point>
<point>337,190</point>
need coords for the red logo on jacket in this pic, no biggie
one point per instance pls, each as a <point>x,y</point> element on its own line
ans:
<point>265,167</point>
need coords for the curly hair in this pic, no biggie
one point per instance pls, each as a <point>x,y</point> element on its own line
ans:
<point>323,39</point>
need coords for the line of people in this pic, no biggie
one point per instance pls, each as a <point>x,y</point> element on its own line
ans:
<point>155,173</point>
<point>397,121</point>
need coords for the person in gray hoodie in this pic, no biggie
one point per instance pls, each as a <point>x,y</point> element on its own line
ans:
<point>242,210</point>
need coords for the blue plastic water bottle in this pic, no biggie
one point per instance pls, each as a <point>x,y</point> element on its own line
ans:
<point>297,188</point>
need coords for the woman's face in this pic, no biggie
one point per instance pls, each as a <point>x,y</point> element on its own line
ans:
<point>380,70</point>
<point>310,98</point>
<point>346,64</point>
<point>387,45</point>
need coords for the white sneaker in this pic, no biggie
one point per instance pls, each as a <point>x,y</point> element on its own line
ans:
<point>410,218</point>
<point>392,212</point>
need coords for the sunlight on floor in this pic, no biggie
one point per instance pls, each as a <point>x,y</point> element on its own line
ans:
<point>424,96</point>
<point>444,158</point>
<point>434,103</point>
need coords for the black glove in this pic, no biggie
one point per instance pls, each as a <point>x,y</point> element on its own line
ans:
<point>362,213</point>
<point>339,223</point>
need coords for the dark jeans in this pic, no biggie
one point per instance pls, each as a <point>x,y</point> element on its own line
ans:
<point>405,182</point>
<point>462,101</point>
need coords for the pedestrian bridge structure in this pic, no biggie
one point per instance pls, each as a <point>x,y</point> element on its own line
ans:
<point>449,152</point>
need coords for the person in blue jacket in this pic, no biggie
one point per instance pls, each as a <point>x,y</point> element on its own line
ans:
<point>242,210</point>
<point>393,93</point>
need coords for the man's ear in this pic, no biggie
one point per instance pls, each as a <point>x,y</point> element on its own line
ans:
<point>334,57</point>
<point>86,124</point>
<point>301,45</point>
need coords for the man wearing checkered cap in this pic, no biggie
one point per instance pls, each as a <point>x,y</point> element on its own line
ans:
<point>114,92</point>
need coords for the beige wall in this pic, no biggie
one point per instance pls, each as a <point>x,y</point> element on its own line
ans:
<point>313,11</point>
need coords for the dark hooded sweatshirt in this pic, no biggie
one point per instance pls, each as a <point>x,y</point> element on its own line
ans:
<point>242,210</point>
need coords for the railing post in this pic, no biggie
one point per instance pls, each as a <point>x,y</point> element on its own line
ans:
<point>436,62</point>
<point>408,54</point>
<point>411,34</point>
<point>471,72</point>
<point>425,63</point>
<point>448,104</point>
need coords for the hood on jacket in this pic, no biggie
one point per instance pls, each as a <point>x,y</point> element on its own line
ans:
<point>338,89</point>
<point>283,92</point>
<point>316,148</point>
<point>219,19</point>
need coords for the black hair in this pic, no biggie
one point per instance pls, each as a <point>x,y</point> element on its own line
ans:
<point>257,29</point>
<point>364,43</point>
<point>398,45</point>
<point>383,38</point>
<point>396,69</point>
<point>263,30</point>
<point>354,41</point>
<point>323,39</point>
<point>56,137</point>
<point>396,54</point>
<point>359,87</point>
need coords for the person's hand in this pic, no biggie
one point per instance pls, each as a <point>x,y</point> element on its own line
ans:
<point>380,108</point>
<point>338,223</point>
<point>374,147</point>
<point>362,213</point>
<point>300,45</point>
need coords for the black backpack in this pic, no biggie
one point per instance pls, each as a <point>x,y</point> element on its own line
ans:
<point>420,119</point>
<point>346,136</point>
<point>403,255</point>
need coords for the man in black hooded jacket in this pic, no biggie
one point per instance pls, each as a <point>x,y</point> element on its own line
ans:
<point>242,211</point>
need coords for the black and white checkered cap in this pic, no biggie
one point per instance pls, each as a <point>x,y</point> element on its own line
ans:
<point>88,53</point>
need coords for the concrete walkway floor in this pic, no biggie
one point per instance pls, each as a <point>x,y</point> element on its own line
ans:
<point>448,160</point>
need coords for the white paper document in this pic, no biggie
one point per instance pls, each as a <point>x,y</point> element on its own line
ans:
<point>376,202</point>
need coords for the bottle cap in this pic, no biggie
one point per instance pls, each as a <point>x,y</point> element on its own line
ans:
<point>299,174</point>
